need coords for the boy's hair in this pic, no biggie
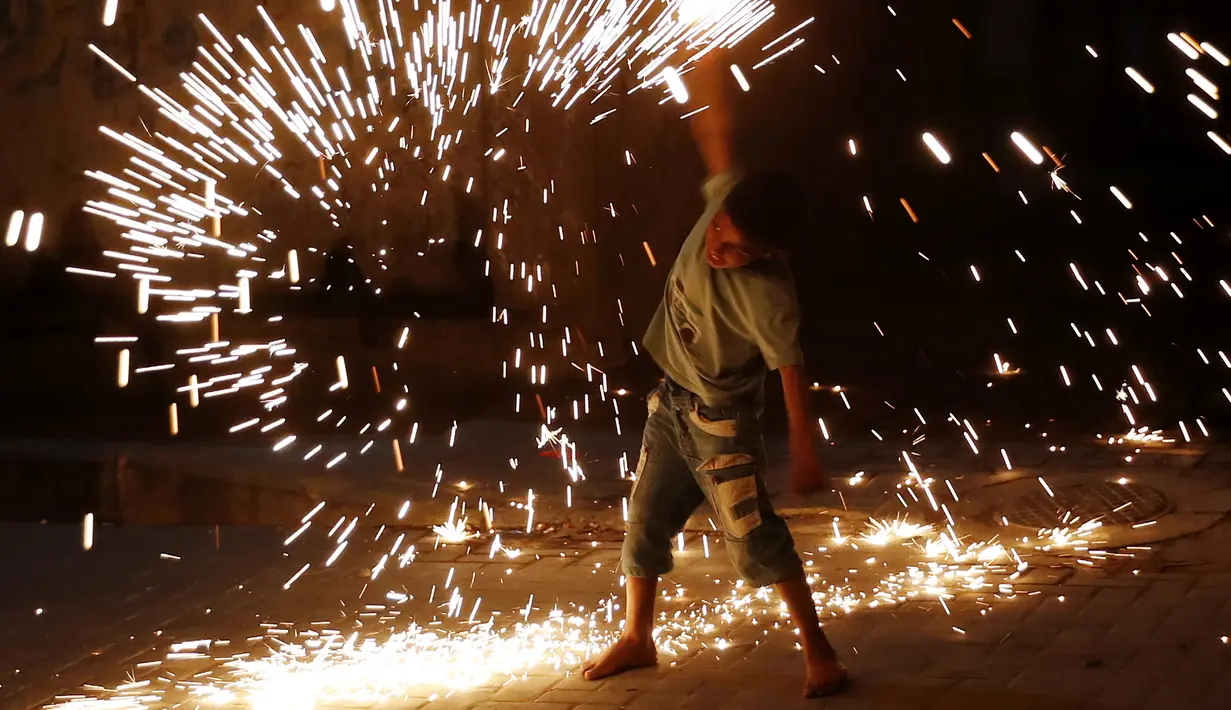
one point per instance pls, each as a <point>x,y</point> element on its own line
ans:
<point>769,207</point>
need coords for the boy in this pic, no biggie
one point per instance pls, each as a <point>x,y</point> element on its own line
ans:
<point>729,314</point>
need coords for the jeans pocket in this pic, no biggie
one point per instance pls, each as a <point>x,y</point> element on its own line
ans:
<point>741,506</point>
<point>737,492</point>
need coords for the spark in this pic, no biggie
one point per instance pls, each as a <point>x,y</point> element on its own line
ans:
<point>739,78</point>
<point>1025,146</point>
<point>87,532</point>
<point>1216,54</point>
<point>1188,50</point>
<point>295,577</point>
<point>884,532</point>
<point>1120,196</point>
<point>453,532</point>
<point>113,64</point>
<point>1140,80</point>
<point>34,231</point>
<point>12,235</point>
<point>1202,106</point>
<point>110,8</point>
<point>1209,87</point>
<point>937,149</point>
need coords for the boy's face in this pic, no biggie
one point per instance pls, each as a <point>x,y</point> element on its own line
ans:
<point>727,247</point>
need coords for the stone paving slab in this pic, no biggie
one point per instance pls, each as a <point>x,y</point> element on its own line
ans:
<point>1144,634</point>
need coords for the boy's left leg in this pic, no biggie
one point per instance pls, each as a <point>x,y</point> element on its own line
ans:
<point>825,675</point>
<point>728,457</point>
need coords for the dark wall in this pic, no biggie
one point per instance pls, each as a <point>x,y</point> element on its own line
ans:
<point>1025,69</point>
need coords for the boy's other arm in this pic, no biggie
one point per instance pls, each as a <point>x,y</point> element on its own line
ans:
<point>806,474</point>
<point>712,128</point>
<point>773,311</point>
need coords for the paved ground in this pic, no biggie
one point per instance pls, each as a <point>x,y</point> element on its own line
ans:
<point>1125,626</point>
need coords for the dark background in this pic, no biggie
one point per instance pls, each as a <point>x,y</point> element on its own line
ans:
<point>1025,69</point>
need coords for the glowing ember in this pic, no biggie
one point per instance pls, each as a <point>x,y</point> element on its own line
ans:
<point>884,532</point>
<point>453,532</point>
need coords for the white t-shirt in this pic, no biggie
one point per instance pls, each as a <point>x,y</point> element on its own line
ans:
<point>718,331</point>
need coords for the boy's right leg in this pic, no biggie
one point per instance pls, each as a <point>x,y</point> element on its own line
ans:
<point>635,647</point>
<point>664,495</point>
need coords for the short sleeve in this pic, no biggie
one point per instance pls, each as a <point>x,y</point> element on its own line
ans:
<point>774,322</point>
<point>719,186</point>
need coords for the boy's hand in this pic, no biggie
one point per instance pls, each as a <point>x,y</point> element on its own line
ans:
<point>807,476</point>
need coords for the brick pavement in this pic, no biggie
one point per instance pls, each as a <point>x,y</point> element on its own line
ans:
<point>1139,632</point>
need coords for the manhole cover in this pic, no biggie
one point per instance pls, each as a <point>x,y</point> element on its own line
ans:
<point>1111,503</point>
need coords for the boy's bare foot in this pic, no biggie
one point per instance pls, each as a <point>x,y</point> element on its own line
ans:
<point>625,654</point>
<point>825,677</point>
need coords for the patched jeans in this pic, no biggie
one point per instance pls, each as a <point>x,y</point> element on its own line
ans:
<point>691,453</point>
